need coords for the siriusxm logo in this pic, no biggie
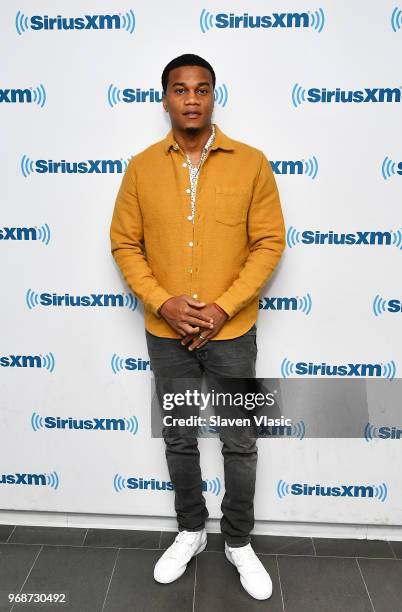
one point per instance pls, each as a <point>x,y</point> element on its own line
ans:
<point>43,480</point>
<point>41,234</point>
<point>309,167</point>
<point>344,96</point>
<point>88,166</point>
<point>372,370</point>
<point>45,362</point>
<point>303,303</point>
<point>29,95</point>
<point>103,300</point>
<point>115,95</point>
<point>379,492</point>
<point>129,424</point>
<point>384,432</point>
<point>137,364</point>
<point>36,23</point>
<point>310,19</point>
<point>390,168</point>
<point>370,238</point>
<point>296,430</point>
<point>137,483</point>
<point>396,19</point>
<point>380,305</point>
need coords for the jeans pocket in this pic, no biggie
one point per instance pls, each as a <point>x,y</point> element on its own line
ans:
<point>251,337</point>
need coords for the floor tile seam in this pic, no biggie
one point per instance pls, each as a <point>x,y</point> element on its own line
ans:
<point>110,579</point>
<point>85,537</point>
<point>365,585</point>
<point>392,549</point>
<point>280,582</point>
<point>28,574</point>
<point>79,546</point>
<point>12,531</point>
<point>268,554</point>
<point>195,582</point>
<point>312,542</point>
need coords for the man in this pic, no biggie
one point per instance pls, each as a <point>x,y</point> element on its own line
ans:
<point>196,231</point>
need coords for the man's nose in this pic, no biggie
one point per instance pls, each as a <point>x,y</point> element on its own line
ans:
<point>191,98</point>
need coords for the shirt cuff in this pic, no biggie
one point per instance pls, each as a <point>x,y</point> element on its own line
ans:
<point>220,308</point>
<point>156,300</point>
<point>225,304</point>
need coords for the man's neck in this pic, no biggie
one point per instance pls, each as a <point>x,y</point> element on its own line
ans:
<point>192,141</point>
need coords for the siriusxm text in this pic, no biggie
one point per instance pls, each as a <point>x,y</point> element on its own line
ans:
<point>99,424</point>
<point>86,22</point>
<point>349,369</point>
<point>90,166</point>
<point>19,96</point>
<point>389,433</point>
<point>93,299</point>
<point>328,491</point>
<point>366,95</point>
<point>23,479</point>
<point>19,233</point>
<point>355,238</point>
<point>275,20</point>
<point>278,303</point>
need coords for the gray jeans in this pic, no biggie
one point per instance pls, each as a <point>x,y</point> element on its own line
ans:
<point>220,358</point>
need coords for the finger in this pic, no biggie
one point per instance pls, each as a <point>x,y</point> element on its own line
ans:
<point>193,302</point>
<point>197,343</point>
<point>184,331</point>
<point>199,315</point>
<point>188,330</point>
<point>186,339</point>
<point>203,343</point>
<point>198,322</point>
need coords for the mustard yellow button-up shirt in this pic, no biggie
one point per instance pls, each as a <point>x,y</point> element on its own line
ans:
<point>225,256</point>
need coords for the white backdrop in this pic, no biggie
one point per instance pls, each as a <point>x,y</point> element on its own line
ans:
<point>64,97</point>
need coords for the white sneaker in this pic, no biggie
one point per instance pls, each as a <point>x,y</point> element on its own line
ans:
<point>253,575</point>
<point>173,562</point>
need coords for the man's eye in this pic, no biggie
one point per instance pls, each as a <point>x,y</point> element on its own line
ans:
<point>203,91</point>
<point>179,90</point>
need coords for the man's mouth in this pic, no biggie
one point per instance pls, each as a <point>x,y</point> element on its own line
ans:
<point>192,114</point>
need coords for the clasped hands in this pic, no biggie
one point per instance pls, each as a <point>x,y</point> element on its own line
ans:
<point>191,318</point>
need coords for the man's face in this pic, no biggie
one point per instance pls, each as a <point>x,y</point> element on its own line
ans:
<point>189,98</point>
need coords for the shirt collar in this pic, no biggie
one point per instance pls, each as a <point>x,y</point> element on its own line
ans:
<point>221,141</point>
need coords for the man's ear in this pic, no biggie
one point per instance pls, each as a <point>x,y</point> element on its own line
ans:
<point>164,102</point>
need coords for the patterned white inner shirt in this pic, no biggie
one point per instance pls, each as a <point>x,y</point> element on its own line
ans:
<point>194,170</point>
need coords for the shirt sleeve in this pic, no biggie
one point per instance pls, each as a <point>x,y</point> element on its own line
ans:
<point>266,232</point>
<point>127,245</point>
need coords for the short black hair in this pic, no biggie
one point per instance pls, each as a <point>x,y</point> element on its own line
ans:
<point>188,59</point>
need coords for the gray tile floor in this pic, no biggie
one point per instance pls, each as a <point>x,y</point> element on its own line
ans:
<point>111,570</point>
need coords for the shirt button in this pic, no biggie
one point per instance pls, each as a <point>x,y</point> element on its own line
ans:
<point>190,218</point>
<point>195,295</point>
<point>190,244</point>
<point>188,190</point>
<point>191,270</point>
<point>184,165</point>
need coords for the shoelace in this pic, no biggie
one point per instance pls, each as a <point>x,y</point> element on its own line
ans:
<point>183,542</point>
<point>247,559</point>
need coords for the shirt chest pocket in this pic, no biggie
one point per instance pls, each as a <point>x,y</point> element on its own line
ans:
<point>231,205</point>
